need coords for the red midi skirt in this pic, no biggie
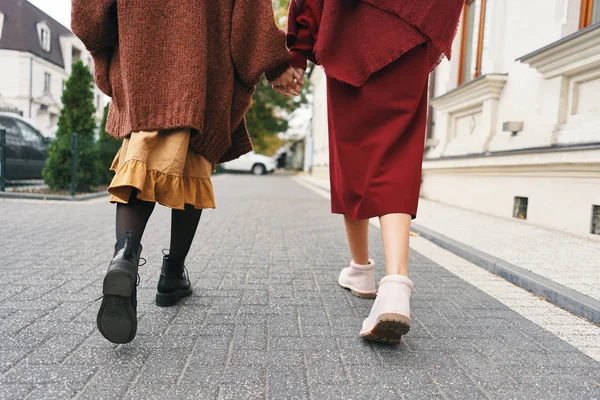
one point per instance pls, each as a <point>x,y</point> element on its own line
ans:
<point>377,139</point>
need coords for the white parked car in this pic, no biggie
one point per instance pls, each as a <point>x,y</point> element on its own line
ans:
<point>251,162</point>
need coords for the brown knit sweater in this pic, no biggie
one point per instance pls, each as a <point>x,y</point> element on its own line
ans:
<point>182,63</point>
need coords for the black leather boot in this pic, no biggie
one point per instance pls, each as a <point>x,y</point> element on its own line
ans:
<point>173,285</point>
<point>117,318</point>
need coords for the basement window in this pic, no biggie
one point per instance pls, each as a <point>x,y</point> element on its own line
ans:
<point>595,220</point>
<point>520,207</point>
<point>1,23</point>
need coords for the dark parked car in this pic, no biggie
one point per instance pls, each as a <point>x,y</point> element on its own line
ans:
<point>26,148</point>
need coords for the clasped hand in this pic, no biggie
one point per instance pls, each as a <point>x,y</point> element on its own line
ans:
<point>289,83</point>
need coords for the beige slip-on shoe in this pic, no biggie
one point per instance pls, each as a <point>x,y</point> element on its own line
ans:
<point>389,319</point>
<point>359,279</point>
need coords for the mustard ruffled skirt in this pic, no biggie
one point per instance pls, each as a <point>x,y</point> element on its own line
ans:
<point>163,169</point>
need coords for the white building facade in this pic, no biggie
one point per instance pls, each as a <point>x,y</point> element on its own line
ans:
<point>515,124</point>
<point>319,139</point>
<point>36,58</point>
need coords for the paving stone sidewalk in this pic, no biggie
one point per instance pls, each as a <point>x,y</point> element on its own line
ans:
<point>267,319</point>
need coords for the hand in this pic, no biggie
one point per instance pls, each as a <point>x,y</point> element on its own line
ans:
<point>289,83</point>
<point>300,73</point>
<point>299,78</point>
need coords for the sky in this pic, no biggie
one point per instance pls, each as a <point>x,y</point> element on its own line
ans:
<point>60,10</point>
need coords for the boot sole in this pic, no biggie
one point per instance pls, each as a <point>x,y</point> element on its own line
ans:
<point>359,294</point>
<point>171,299</point>
<point>117,319</point>
<point>389,329</point>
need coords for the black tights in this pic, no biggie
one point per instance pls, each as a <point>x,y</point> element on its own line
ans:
<point>183,229</point>
<point>134,217</point>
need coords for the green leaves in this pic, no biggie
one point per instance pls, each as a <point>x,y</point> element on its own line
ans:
<point>77,116</point>
<point>269,115</point>
<point>281,9</point>
<point>107,148</point>
<point>78,100</point>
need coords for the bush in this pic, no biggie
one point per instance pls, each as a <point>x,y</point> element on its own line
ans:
<point>57,173</point>
<point>107,148</point>
<point>77,116</point>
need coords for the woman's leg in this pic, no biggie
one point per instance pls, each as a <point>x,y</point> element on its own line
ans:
<point>395,229</point>
<point>358,240</point>
<point>117,317</point>
<point>133,217</point>
<point>184,224</point>
<point>174,283</point>
<point>389,318</point>
<point>359,277</point>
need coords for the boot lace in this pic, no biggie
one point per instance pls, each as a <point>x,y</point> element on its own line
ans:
<point>139,279</point>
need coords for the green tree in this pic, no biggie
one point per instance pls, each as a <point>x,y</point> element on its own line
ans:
<point>268,116</point>
<point>270,111</point>
<point>77,116</point>
<point>281,8</point>
<point>107,149</point>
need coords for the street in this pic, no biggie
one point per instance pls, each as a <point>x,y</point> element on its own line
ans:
<point>267,318</point>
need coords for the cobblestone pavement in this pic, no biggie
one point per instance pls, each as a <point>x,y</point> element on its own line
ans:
<point>267,319</point>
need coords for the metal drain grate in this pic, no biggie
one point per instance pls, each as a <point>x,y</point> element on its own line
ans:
<point>595,220</point>
<point>520,207</point>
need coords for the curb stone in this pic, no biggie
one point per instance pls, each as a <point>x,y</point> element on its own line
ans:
<point>36,196</point>
<point>555,293</point>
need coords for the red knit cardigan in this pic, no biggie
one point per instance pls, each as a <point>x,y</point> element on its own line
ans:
<point>355,38</point>
<point>184,63</point>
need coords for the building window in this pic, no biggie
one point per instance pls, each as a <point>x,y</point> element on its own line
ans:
<point>45,39</point>
<point>520,207</point>
<point>53,119</point>
<point>595,220</point>
<point>475,39</point>
<point>76,55</point>
<point>590,13</point>
<point>47,80</point>
<point>1,23</point>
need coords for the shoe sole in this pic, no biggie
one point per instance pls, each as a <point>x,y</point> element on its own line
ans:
<point>117,319</point>
<point>359,294</point>
<point>171,299</point>
<point>389,329</point>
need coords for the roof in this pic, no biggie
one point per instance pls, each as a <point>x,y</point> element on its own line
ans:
<point>20,30</point>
